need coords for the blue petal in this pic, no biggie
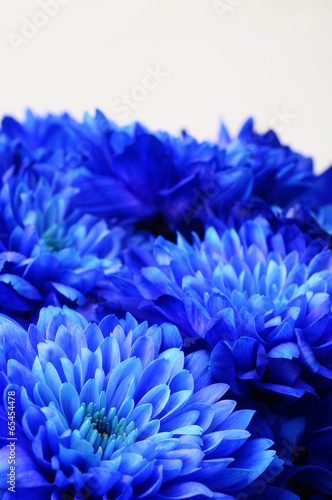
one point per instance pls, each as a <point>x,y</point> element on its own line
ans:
<point>21,286</point>
<point>43,395</point>
<point>32,419</point>
<point>152,484</point>
<point>316,477</point>
<point>131,463</point>
<point>182,381</point>
<point>110,351</point>
<point>223,365</point>
<point>197,363</point>
<point>158,397</point>
<point>93,336</point>
<point>69,293</point>
<point>171,468</point>
<point>72,342</point>
<point>144,349</point>
<point>176,357</point>
<point>45,265</point>
<point>210,394</point>
<point>222,410</point>
<point>288,350</point>
<point>89,393</point>
<point>190,460</point>
<point>156,373</point>
<point>230,442</point>
<point>149,429</point>
<point>171,337</point>
<point>141,415</point>
<point>69,401</point>
<point>131,365</point>
<point>174,405</point>
<point>239,419</point>
<point>209,468</point>
<point>206,414</point>
<point>52,379</point>
<point>125,390</point>
<point>182,420</point>
<point>49,352</point>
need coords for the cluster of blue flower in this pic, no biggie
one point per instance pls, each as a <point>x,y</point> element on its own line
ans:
<point>165,326</point>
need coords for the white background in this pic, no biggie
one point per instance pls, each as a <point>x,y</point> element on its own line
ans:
<point>270,59</point>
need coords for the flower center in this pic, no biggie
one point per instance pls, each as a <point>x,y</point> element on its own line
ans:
<point>106,433</point>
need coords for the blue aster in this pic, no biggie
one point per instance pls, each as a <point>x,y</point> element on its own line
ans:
<point>258,299</point>
<point>114,411</point>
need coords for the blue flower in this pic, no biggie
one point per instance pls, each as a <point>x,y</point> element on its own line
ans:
<point>161,182</point>
<point>319,443</point>
<point>281,175</point>
<point>324,218</point>
<point>259,299</point>
<point>59,141</point>
<point>182,184</point>
<point>115,411</point>
<point>50,252</point>
<point>303,440</point>
<point>319,200</point>
<point>320,193</point>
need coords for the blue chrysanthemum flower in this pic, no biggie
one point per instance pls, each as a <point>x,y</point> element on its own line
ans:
<point>319,200</point>
<point>50,252</point>
<point>302,435</point>
<point>59,141</point>
<point>259,299</point>
<point>114,411</point>
<point>281,175</point>
<point>163,182</point>
<point>320,439</point>
<point>180,183</point>
<point>159,181</point>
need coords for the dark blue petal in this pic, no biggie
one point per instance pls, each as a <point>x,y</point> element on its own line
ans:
<point>198,364</point>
